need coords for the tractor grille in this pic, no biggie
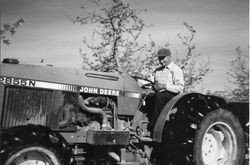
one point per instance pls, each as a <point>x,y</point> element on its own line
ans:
<point>31,106</point>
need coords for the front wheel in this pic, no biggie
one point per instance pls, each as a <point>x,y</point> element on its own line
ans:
<point>34,145</point>
<point>33,155</point>
<point>219,140</point>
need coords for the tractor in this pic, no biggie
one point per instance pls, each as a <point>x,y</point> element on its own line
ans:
<point>59,116</point>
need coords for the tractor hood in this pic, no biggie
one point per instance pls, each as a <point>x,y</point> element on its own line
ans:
<point>81,79</point>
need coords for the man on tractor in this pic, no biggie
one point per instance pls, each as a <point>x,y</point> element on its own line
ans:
<point>169,82</point>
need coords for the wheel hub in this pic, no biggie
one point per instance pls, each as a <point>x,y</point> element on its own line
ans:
<point>210,147</point>
<point>33,156</point>
<point>219,145</point>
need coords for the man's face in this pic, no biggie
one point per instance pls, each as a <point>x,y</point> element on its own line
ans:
<point>165,61</point>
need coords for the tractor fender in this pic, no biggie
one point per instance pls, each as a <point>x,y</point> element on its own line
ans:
<point>180,106</point>
<point>27,135</point>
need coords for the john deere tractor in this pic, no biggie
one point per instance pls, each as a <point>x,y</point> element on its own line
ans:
<point>57,116</point>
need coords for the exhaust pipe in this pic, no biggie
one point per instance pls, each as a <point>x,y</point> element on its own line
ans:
<point>95,111</point>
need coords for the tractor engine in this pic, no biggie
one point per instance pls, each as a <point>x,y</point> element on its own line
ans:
<point>94,112</point>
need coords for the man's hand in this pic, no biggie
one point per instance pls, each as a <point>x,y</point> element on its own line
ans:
<point>158,86</point>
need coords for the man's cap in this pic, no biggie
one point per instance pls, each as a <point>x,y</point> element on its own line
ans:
<point>164,52</point>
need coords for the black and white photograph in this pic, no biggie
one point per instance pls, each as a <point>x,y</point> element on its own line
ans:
<point>124,82</point>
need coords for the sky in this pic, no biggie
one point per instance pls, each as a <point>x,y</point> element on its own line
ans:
<point>49,34</point>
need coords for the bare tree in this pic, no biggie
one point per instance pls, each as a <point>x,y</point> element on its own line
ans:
<point>8,30</point>
<point>118,28</point>
<point>239,76</point>
<point>194,69</point>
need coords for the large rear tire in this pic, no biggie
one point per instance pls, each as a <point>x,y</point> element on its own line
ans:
<point>215,139</point>
<point>219,140</point>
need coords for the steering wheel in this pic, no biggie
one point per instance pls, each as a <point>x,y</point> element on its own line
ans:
<point>144,83</point>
